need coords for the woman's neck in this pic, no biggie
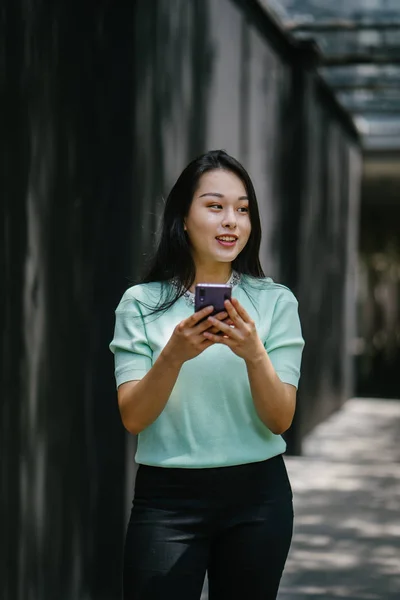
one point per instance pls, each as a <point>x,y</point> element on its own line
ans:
<point>212,275</point>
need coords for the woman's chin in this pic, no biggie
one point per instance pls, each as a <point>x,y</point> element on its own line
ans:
<point>225,257</point>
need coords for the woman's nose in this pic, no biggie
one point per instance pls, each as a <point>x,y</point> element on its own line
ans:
<point>229,220</point>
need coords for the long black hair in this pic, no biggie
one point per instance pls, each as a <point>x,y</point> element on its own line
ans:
<point>173,258</point>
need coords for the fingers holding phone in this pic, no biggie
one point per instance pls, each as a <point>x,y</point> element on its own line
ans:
<point>207,326</point>
<point>187,340</point>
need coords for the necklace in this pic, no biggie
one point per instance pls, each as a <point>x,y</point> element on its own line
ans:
<point>188,296</point>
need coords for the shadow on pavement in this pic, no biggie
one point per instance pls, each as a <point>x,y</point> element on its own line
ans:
<point>347,502</point>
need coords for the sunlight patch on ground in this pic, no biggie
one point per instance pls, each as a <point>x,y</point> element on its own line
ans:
<point>346,488</point>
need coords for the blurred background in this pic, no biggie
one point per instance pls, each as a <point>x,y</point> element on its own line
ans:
<point>103,104</point>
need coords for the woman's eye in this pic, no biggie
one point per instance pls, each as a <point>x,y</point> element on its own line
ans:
<point>242,209</point>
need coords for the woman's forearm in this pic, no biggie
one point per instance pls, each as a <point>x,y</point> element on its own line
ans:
<point>273,399</point>
<point>142,403</point>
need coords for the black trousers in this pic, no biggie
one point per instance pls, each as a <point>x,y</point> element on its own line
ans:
<point>233,522</point>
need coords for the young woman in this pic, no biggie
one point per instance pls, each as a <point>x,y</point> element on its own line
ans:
<point>209,398</point>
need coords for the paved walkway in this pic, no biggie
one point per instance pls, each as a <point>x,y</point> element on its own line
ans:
<point>347,502</point>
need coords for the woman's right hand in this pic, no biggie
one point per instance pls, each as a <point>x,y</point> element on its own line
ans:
<point>187,340</point>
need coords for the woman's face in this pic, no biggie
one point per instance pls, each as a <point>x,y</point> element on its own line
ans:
<point>218,222</point>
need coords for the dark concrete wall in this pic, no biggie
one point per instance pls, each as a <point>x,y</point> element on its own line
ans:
<point>104,105</point>
<point>327,266</point>
<point>66,168</point>
<point>218,74</point>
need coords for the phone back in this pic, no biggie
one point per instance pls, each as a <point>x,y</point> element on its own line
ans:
<point>214,294</point>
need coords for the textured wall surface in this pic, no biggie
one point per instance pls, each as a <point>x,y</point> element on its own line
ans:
<point>67,145</point>
<point>240,86</point>
<point>328,242</point>
<point>104,106</point>
<point>208,79</point>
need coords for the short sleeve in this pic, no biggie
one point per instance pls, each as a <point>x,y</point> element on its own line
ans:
<point>130,346</point>
<point>285,343</point>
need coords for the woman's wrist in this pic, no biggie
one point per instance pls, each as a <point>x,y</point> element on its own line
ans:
<point>256,357</point>
<point>170,360</point>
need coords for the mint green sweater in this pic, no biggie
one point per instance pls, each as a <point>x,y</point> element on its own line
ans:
<point>209,419</point>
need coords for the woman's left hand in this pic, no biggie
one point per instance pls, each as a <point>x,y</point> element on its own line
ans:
<point>240,335</point>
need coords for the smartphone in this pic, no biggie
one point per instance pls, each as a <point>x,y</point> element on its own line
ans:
<point>215,294</point>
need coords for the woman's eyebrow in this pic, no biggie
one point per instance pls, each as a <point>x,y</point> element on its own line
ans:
<point>218,195</point>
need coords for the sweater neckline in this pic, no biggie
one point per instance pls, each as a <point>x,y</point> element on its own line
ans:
<point>189,296</point>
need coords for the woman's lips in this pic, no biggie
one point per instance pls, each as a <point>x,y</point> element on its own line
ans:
<point>226,244</point>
